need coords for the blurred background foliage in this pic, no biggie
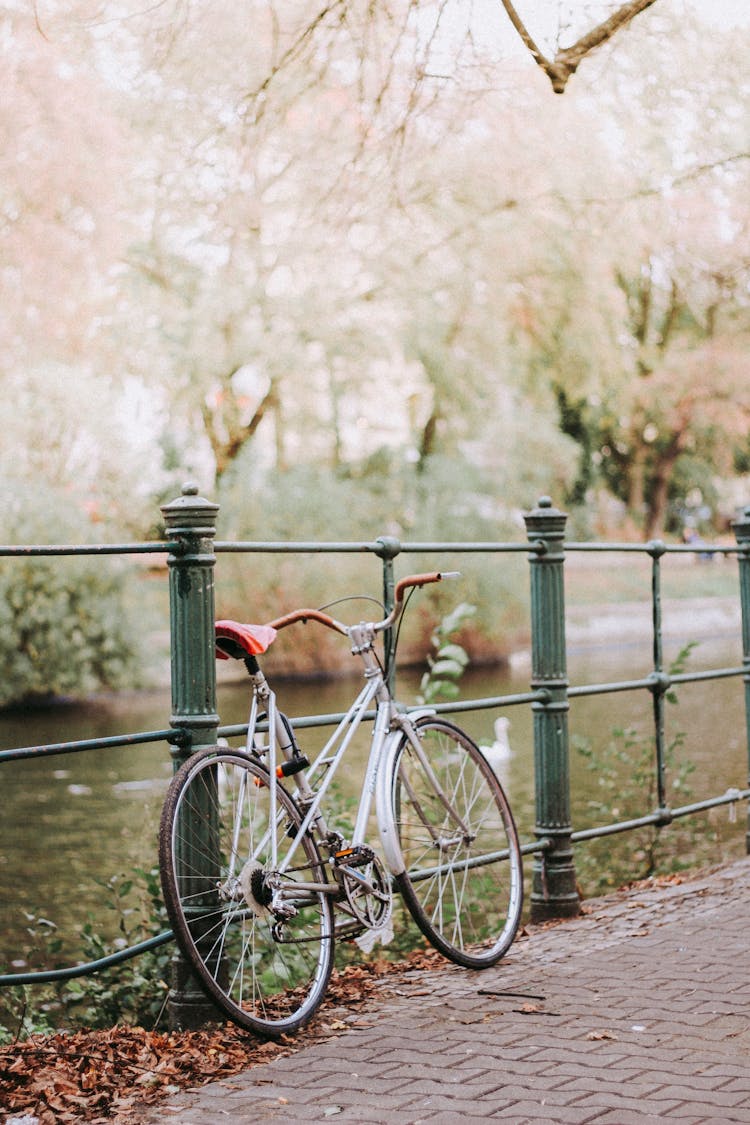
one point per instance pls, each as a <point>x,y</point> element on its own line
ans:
<point>359,271</point>
<point>67,626</point>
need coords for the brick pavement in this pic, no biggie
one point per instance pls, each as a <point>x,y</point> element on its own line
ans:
<point>638,1011</point>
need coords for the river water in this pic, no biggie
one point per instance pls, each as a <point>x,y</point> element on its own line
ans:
<point>70,822</point>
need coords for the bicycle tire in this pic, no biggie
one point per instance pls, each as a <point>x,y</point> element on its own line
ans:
<point>464,889</point>
<point>265,973</point>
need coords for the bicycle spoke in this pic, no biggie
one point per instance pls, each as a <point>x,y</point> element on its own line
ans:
<point>463,872</point>
<point>260,941</point>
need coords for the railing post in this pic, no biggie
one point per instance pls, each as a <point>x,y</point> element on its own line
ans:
<point>190,520</point>
<point>742,534</point>
<point>554,893</point>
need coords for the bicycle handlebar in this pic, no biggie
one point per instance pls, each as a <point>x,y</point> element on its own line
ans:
<point>419,580</point>
<point>331,622</point>
<point>307,615</point>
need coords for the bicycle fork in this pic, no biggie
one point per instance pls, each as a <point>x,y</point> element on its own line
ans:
<point>389,835</point>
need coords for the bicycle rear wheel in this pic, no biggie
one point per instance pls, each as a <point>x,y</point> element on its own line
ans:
<point>462,877</point>
<point>259,938</point>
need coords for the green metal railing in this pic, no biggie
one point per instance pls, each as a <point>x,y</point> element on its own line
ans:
<point>659,683</point>
<point>191,550</point>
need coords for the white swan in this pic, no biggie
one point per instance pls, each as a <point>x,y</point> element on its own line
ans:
<point>499,752</point>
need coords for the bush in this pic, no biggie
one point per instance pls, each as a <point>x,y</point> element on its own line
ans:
<point>64,626</point>
<point>625,771</point>
<point>133,992</point>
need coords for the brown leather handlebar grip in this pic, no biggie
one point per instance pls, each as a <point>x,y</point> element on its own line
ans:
<point>305,615</point>
<point>415,580</point>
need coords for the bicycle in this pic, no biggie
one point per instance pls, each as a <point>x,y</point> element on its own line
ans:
<point>259,883</point>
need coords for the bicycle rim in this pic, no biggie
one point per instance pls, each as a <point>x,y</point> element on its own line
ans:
<point>261,944</point>
<point>463,878</point>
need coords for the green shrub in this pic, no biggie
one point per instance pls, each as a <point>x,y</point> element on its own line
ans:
<point>625,771</point>
<point>133,992</point>
<point>64,624</point>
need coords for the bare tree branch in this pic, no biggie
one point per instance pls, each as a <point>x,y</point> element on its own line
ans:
<point>38,23</point>
<point>526,39</point>
<point>296,47</point>
<point>567,60</point>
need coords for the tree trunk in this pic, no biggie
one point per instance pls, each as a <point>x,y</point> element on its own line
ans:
<point>656,511</point>
<point>227,435</point>
<point>636,500</point>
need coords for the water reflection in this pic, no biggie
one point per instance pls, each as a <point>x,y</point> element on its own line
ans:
<point>72,820</point>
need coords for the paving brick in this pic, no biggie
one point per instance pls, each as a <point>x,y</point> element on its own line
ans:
<point>527,1111</point>
<point>636,1117</point>
<point>662,972</point>
<point>607,1099</point>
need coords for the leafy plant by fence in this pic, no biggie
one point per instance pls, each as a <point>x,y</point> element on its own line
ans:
<point>66,627</point>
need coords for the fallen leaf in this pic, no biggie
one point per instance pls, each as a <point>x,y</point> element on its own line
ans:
<point>89,1075</point>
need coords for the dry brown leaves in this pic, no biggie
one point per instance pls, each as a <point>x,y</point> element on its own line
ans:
<point>96,1075</point>
<point>92,1075</point>
<point>670,880</point>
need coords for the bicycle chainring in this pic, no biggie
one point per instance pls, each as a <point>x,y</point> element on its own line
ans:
<point>367,891</point>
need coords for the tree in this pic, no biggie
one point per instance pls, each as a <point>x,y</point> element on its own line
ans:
<point>63,155</point>
<point>634,304</point>
<point>567,59</point>
<point>357,230</point>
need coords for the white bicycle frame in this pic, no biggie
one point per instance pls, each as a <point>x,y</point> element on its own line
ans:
<point>389,726</point>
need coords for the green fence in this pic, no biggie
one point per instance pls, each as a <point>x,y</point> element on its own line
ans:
<point>192,549</point>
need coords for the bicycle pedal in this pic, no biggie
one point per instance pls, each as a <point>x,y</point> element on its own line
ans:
<point>358,856</point>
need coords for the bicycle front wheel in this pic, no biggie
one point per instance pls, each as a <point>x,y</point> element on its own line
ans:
<point>256,928</point>
<point>462,877</point>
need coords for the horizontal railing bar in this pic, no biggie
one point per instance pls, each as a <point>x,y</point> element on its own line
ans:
<point>376,547</point>
<point>174,735</point>
<point>46,976</point>
<point>708,674</point>
<point>372,547</point>
<point>620,826</point>
<point>161,548</point>
<point>651,548</point>
<point>728,798</point>
<point>662,816</point>
<point>603,689</point>
<point>231,547</point>
<point>51,975</point>
<point>236,730</point>
<point>304,722</point>
<point>488,702</point>
<point>647,682</point>
<point>501,548</point>
<point>113,741</point>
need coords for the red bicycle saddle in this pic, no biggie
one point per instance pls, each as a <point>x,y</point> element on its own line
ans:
<point>238,641</point>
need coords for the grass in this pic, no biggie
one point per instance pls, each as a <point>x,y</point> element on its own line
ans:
<point>609,578</point>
